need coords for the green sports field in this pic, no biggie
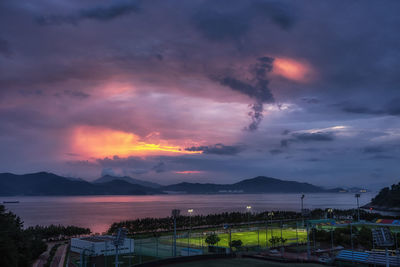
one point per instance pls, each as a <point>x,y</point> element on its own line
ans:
<point>249,238</point>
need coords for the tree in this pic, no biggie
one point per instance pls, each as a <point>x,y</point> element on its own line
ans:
<point>274,240</point>
<point>212,239</point>
<point>17,246</point>
<point>237,244</point>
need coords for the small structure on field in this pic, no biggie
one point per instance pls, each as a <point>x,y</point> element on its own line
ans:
<point>101,245</point>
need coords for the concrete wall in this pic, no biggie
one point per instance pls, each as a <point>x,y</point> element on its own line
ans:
<point>101,248</point>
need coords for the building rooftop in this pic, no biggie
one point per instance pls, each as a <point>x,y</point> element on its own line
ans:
<point>102,238</point>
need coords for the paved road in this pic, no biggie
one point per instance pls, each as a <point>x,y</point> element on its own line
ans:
<point>59,256</point>
<point>43,257</point>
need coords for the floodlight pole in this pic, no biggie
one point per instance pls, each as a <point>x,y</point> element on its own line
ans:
<point>248,208</point>
<point>230,239</point>
<point>266,233</point>
<point>351,240</point>
<point>82,258</point>
<point>387,256</point>
<point>271,214</point>
<point>119,240</point>
<point>190,228</point>
<point>175,213</point>
<point>302,208</point>
<point>308,243</point>
<point>116,256</point>
<point>358,206</point>
<point>174,236</point>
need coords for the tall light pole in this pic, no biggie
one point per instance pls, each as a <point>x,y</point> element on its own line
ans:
<point>119,241</point>
<point>190,211</point>
<point>358,206</point>
<point>271,214</point>
<point>302,209</point>
<point>330,211</point>
<point>175,213</point>
<point>248,208</point>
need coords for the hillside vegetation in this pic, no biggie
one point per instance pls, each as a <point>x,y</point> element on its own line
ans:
<point>388,197</point>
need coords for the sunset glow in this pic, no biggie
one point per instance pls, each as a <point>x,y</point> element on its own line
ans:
<point>292,69</point>
<point>102,142</point>
<point>189,172</point>
<point>202,91</point>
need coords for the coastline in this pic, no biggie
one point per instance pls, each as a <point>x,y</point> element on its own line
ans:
<point>381,208</point>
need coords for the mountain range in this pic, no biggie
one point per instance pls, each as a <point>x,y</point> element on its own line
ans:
<point>43,183</point>
<point>48,184</point>
<point>109,178</point>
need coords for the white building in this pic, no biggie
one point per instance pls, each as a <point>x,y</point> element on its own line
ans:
<point>100,245</point>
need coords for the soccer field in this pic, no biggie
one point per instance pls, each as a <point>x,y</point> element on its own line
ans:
<point>249,238</point>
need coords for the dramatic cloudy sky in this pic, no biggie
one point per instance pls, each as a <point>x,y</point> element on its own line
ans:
<point>202,90</point>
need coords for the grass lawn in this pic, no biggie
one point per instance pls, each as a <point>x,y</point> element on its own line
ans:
<point>242,262</point>
<point>248,238</point>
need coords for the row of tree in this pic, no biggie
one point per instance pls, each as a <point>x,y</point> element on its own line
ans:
<point>388,197</point>
<point>183,222</point>
<point>57,231</point>
<point>147,225</point>
<point>20,247</point>
<point>17,246</point>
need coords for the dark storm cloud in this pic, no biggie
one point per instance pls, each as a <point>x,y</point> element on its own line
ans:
<point>361,110</point>
<point>76,94</point>
<point>374,149</point>
<point>5,48</point>
<point>382,157</point>
<point>218,149</point>
<point>257,88</point>
<point>391,107</point>
<point>276,151</point>
<point>231,20</point>
<point>351,48</point>
<point>308,137</point>
<point>113,11</point>
<point>310,100</point>
<point>280,13</point>
<point>69,93</point>
<point>256,116</point>
<point>159,167</point>
<point>215,25</point>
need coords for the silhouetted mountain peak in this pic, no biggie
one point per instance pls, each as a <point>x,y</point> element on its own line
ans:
<point>108,178</point>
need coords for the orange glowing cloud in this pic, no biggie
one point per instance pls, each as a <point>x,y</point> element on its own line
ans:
<point>189,172</point>
<point>98,142</point>
<point>292,69</point>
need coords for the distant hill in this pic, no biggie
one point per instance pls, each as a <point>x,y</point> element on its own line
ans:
<point>260,184</point>
<point>386,199</point>
<point>109,178</point>
<point>48,184</point>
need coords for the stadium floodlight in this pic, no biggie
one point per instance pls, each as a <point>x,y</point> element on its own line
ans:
<point>302,208</point>
<point>248,208</point>
<point>119,241</point>
<point>382,237</point>
<point>175,214</point>
<point>358,206</point>
<point>330,211</point>
<point>190,211</point>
